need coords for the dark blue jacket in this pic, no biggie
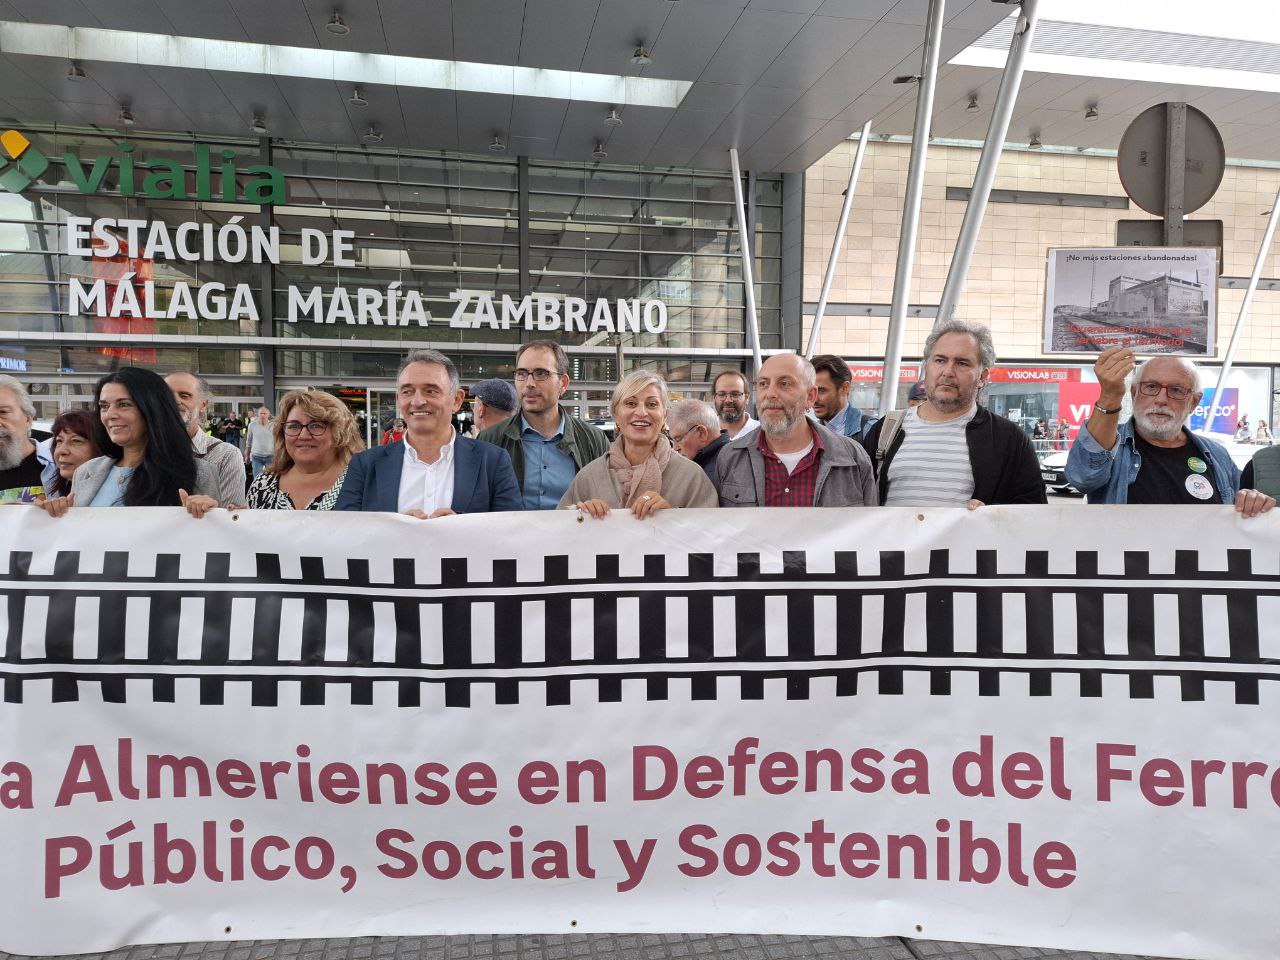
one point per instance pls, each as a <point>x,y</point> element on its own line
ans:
<point>483,480</point>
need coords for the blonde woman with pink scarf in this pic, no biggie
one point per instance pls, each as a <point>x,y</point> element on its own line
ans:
<point>640,472</point>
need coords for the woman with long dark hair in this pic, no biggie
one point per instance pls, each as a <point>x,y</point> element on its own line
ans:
<point>73,444</point>
<point>147,460</point>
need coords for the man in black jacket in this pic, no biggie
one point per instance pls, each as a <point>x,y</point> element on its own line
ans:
<point>696,434</point>
<point>950,451</point>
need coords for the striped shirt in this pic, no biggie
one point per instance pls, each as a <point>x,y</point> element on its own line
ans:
<point>931,468</point>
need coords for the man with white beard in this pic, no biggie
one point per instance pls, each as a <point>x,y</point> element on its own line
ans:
<point>20,467</point>
<point>791,461</point>
<point>1153,457</point>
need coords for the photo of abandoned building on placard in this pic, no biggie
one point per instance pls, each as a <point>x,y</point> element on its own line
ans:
<point>1152,299</point>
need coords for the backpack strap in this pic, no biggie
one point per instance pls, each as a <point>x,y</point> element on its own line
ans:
<point>889,429</point>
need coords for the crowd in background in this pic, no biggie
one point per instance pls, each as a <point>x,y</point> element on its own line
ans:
<point>148,441</point>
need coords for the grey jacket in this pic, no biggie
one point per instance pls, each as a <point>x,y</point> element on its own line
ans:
<point>88,478</point>
<point>226,467</point>
<point>845,477</point>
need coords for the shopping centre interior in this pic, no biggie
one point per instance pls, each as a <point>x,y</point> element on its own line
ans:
<point>579,153</point>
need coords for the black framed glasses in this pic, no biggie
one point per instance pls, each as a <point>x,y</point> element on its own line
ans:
<point>540,375</point>
<point>316,428</point>
<point>729,394</point>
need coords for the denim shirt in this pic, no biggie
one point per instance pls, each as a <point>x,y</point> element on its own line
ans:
<point>847,423</point>
<point>548,470</point>
<point>1105,475</point>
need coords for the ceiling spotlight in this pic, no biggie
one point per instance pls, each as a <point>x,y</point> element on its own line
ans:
<point>373,136</point>
<point>126,118</point>
<point>907,78</point>
<point>599,153</point>
<point>1092,112</point>
<point>259,125</point>
<point>337,26</point>
<point>641,57</point>
<point>357,98</point>
<point>497,145</point>
<point>1035,143</point>
<point>76,73</point>
<point>613,120</point>
<point>973,105</point>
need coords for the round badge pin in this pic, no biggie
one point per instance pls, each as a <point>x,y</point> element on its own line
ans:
<point>1196,464</point>
<point>1199,487</point>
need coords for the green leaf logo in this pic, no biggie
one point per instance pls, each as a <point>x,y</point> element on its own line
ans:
<point>20,163</point>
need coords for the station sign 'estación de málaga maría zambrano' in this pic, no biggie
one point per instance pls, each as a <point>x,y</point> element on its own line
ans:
<point>163,178</point>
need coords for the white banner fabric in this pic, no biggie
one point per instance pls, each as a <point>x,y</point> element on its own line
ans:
<point>1028,725</point>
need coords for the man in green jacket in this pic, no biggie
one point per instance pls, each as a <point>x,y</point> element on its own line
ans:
<point>548,446</point>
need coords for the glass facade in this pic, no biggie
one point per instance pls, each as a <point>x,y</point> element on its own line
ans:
<point>433,223</point>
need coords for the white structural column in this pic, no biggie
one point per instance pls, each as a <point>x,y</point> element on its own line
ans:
<point>911,207</point>
<point>1247,301</point>
<point>992,148</point>
<point>838,240</point>
<point>748,266</point>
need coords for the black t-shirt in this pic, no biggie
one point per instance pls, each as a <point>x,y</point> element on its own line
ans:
<point>21,484</point>
<point>1166,475</point>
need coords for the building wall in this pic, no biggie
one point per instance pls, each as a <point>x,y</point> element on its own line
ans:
<point>1006,282</point>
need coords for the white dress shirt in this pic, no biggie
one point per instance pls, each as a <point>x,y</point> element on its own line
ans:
<point>426,486</point>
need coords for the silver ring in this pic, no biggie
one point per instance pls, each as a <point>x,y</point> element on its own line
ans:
<point>646,497</point>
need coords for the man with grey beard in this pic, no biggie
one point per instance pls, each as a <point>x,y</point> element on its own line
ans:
<point>20,467</point>
<point>791,461</point>
<point>1153,457</point>
<point>192,395</point>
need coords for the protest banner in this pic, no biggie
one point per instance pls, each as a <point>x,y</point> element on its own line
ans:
<point>1156,300</point>
<point>1027,725</point>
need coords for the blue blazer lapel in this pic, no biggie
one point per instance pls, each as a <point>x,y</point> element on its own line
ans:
<point>466,473</point>
<point>387,479</point>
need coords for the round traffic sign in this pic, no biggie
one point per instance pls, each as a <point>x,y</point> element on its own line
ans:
<point>1141,159</point>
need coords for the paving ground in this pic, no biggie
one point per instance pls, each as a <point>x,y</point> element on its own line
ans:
<point>591,947</point>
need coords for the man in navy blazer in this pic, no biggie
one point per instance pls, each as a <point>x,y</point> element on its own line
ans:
<point>433,472</point>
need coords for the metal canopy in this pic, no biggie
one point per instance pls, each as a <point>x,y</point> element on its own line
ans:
<point>1054,104</point>
<point>783,81</point>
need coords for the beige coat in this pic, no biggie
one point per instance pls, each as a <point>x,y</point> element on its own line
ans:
<point>684,484</point>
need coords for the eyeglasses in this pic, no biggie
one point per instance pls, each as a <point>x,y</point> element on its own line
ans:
<point>316,428</point>
<point>538,376</point>
<point>1152,388</point>
<point>729,394</point>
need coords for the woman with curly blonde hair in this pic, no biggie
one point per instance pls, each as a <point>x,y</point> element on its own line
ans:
<point>315,438</point>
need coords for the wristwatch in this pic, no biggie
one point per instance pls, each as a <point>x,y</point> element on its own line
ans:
<point>1101,409</point>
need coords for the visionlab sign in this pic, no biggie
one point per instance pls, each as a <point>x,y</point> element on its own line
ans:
<point>206,177</point>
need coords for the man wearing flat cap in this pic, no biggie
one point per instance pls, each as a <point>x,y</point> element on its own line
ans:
<point>492,401</point>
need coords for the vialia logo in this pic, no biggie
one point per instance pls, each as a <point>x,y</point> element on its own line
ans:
<point>159,178</point>
<point>21,164</point>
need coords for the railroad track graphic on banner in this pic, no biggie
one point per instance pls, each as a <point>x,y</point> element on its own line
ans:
<point>710,630</point>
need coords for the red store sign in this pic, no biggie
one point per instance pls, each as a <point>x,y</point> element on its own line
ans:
<point>1034,375</point>
<point>875,374</point>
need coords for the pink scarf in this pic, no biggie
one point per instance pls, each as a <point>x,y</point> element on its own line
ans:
<point>634,480</point>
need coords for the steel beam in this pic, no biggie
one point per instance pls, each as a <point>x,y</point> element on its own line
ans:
<point>838,240</point>
<point>911,207</point>
<point>1243,317</point>
<point>992,148</point>
<point>748,266</point>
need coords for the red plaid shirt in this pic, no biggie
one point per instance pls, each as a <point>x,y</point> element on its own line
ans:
<point>796,489</point>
